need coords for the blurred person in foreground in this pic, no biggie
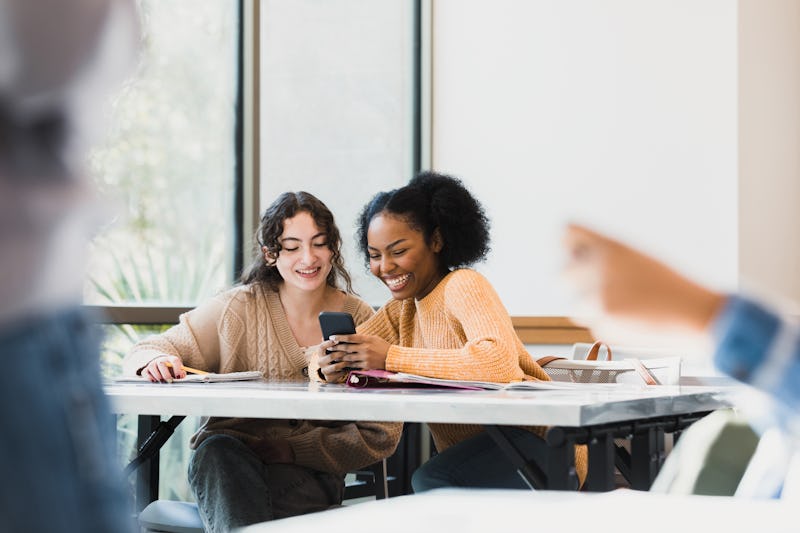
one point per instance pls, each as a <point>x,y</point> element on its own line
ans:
<point>58,60</point>
<point>633,295</point>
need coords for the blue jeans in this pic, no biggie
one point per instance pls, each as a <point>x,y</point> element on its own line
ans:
<point>233,488</point>
<point>477,462</point>
<point>57,459</point>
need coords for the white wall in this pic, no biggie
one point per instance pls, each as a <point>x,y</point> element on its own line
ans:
<point>769,155</point>
<point>623,114</point>
<point>673,124</point>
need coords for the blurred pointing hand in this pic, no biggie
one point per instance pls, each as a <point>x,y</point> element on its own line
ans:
<point>624,294</point>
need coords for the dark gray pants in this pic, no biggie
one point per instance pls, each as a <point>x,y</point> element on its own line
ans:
<point>478,462</point>
<point>233,488</point>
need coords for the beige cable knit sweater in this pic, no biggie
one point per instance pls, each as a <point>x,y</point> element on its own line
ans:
<point>460,330</point>
<point>245,328</point>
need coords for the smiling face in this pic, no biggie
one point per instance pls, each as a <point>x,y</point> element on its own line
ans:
<point>304,260</point>
<point>400,257</point>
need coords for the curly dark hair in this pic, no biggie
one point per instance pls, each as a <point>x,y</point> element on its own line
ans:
<point>288,205</point>
<point>431,202</point>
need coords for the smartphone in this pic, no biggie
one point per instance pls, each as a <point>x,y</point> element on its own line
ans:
<point>335,323</point>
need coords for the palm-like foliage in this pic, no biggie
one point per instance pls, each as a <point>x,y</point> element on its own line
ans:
<point>167,169</point>
<point>141,279</point>
<point>181,280</point>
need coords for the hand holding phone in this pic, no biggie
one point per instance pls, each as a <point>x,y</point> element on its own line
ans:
<point>336,323</point>
<point>369,352</point>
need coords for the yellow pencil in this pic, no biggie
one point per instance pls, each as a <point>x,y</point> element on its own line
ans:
<point>190,370</point>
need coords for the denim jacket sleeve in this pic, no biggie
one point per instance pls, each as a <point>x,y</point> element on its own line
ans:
<point>758,347</point>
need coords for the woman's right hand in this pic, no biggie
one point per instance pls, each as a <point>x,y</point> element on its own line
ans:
<point>164,368</point>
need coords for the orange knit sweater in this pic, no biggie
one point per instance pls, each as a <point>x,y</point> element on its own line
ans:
<point>460,330</point>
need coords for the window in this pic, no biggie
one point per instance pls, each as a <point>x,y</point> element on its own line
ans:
<point>168,171</point>
<point>336,115</point>
<point>339,107</point>
<point>169,163</point>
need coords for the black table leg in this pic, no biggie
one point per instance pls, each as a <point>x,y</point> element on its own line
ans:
<point>622,460</point>
<point>152,434</point>
<point>147,476</point>
<point>600,477</point>
<point>561,473</point>
<point>647,457</point>
<point>405,460</point>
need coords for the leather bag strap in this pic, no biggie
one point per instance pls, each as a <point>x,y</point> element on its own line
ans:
<point>644,372</point>
<point>543,361</point>
<point>594,351</point>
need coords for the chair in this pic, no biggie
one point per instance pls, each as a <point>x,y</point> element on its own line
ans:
<point>711,457</point>
<point>167,516</point>
<point>369,482</point>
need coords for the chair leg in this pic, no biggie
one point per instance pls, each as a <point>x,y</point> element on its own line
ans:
<point>380,479</point>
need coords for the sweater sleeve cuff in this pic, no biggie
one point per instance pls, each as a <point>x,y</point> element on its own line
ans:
<point>394,359</point>
<point>743,332</point>
<point>306,451</point>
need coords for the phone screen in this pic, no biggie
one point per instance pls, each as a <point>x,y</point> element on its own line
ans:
<point>335,323</point>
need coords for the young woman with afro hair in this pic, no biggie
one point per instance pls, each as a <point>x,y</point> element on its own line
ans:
<point>444,320</point>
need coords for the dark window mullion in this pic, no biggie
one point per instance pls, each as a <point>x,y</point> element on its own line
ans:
<point>136,314</point>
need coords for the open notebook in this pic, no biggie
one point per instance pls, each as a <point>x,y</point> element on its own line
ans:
<point>200,378</point>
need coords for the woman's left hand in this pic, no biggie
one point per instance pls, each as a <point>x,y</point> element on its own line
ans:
<point>331,369</point>
<point>362,352</point>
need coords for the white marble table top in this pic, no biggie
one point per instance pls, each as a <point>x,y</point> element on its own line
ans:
<point>589,406</point>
